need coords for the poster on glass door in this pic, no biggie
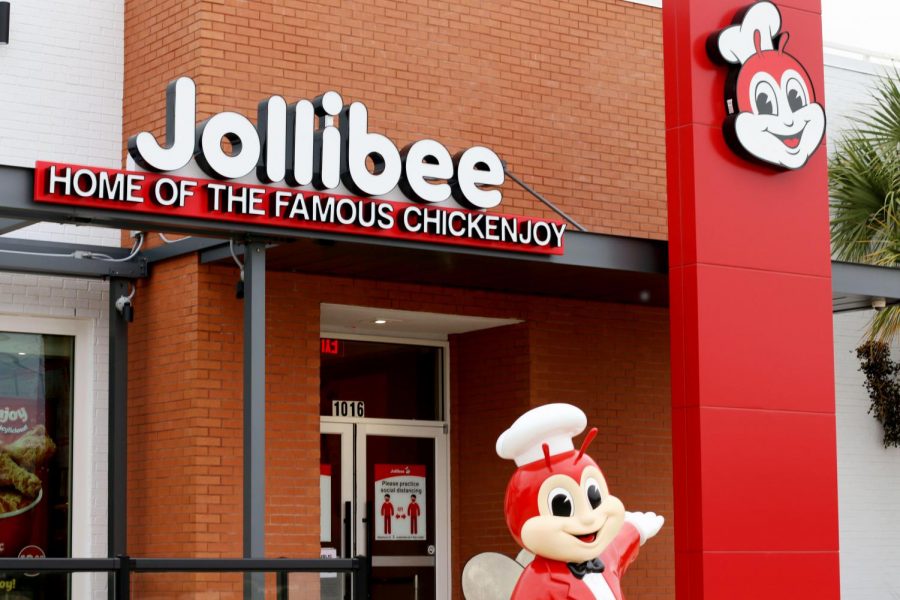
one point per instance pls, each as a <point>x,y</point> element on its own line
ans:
<point>399,502</point>
<point>324,503</point>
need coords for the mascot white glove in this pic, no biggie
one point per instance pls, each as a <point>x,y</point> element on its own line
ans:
<point>648,524</point>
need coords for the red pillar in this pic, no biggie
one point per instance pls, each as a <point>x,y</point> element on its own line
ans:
<point>752,368</point>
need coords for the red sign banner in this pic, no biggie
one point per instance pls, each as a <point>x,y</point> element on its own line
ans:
<point>160,194</point>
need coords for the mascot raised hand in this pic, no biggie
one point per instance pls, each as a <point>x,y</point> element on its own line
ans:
<point>559,507</point>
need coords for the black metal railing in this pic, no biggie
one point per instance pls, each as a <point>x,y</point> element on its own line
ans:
<point>124,566</point>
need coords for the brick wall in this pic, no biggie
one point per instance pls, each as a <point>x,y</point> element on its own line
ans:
<point>570,95</point>
<point>610,360</point>
<point>848,85</point>
<point>62,92</point>
<point>483,405</point>
<point>186,350</point>
<point>62,95</point>
<point>868,476</point>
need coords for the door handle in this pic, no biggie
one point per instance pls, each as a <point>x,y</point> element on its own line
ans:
<point>348,530</point>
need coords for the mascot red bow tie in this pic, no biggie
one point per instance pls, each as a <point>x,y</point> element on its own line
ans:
<point>558,507</point>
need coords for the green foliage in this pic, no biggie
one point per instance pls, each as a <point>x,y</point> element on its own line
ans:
<point>884,390</point>
<point>864,181</point>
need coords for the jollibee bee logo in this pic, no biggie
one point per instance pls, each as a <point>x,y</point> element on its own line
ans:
<point>773,116</point>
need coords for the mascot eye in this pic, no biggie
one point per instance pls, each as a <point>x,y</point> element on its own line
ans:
<point>593,493</point>
<point>561,503</point>
<point>765,99</point>
<point>796,94</point>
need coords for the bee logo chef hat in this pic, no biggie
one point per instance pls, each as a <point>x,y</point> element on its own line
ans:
<point>551,424</point>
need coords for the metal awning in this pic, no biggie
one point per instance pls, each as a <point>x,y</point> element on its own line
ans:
<point>857,287</point>
<point>594,267</point>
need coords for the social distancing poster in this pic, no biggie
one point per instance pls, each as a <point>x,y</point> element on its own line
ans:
<point>400,502</point>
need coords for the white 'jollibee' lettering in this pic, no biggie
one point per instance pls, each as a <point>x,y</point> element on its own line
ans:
<point>181,113</point>
<point>272,123</point>
<point>300,145</point>
<point>359,145</point>
<point>426,167</point>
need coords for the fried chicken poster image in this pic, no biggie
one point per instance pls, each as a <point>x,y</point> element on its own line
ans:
<point>25,453</point>
<point>400,502</point>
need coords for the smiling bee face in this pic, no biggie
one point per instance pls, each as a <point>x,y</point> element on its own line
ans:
<point>577,519</point>
<point>779,121</point>
<point>769,96</point>
<point>566,513</point>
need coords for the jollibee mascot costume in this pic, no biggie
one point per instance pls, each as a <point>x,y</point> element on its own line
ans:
<point>558,506</point>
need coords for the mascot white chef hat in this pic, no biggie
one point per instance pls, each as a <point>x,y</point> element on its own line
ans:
<point>737,43</point>
<point>552,424</point>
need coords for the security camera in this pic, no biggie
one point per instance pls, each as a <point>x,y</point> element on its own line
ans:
<point>878,303</point>
<point>123,305</point>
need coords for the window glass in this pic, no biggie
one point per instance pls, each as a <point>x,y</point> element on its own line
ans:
<point>380,380</point>
<point>36,375</point>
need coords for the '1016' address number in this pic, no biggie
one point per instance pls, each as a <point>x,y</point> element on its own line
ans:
<point>348,408</point>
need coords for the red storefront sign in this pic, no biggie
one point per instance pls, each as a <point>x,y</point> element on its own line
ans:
<point>184,197</point>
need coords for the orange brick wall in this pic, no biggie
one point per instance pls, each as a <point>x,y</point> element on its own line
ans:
<point>185,422</point>
<point>610,360</point>
<point>162,41</point>
<point>569,93</point>
<point>483,405</point>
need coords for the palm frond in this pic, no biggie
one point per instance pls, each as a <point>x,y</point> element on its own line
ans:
<point>881,123</point>
<point>885,325</point>
<point>864,185</point>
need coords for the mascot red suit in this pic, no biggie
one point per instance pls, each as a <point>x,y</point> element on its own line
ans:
<point>558,507</point>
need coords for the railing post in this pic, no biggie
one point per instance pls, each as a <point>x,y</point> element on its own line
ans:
<point>361,589</point>
<point>281,583</point>
<point>118,424</point>
<point>254,413</point>
<point>123,578</point>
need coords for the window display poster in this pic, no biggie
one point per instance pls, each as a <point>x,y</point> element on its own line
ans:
<point>35,409</point>
<point>325,500</point>
<point>400,502</point>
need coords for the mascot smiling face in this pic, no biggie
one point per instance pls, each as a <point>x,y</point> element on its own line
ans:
<point>558,507</point>
<point>773,114</point>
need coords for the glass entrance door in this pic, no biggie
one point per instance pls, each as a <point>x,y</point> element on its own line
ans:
<point>399,507</point>
<point>336,515</point>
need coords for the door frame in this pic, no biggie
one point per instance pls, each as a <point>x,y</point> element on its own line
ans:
<point>438,430</point>
<point>345,430</point>
<point>437,433</point>
<point>353,485</point>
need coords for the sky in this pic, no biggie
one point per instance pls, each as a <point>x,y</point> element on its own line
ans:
<point>869,25</point>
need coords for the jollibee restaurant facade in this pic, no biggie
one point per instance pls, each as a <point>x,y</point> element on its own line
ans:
<point>360,284</point>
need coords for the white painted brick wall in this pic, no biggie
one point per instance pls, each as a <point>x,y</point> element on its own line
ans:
<point>868,477</point>
<point>868,474</point>
<point>61,100</point>
<point>61,94</point>
<point>848,84</point>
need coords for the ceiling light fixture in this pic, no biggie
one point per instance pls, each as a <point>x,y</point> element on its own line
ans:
<point>380,321</point>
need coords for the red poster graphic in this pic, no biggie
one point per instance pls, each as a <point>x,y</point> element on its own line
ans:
<point>25,451</point>
<point>400,502</point>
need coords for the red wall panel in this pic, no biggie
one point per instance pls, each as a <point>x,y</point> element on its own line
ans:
<point>754,453</point>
